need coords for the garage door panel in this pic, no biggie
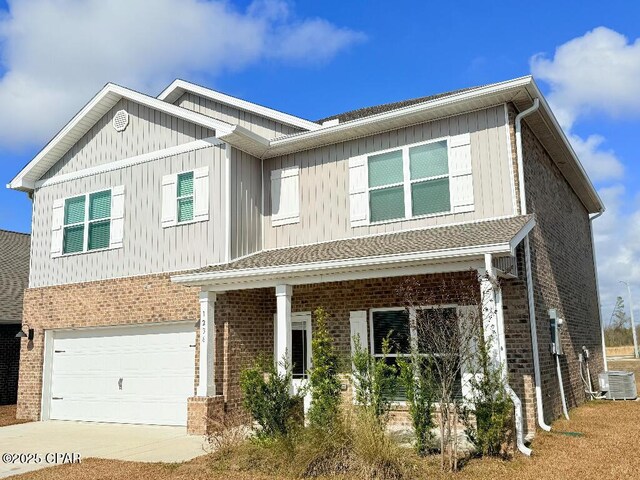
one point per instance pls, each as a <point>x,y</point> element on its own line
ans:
<point>141,374</point>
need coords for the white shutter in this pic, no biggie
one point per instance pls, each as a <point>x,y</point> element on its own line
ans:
<point>358,205</point>
<point>169,200</point>
<point>358,323</point>
<point>285,196</point>
<point>57,230</point>
<point>461,178</point>
<point>201,194</point>
<point>117,217</point>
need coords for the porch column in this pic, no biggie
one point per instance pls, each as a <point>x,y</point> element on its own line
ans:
<point>206,384</point>
<point>491,298</point>
<point>283,326</point>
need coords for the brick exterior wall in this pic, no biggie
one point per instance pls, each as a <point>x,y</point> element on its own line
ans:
<point>563,275</point>
<point>9,361</point>
<point>125,301</point>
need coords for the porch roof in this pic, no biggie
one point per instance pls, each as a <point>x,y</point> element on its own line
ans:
<point>321,262</point>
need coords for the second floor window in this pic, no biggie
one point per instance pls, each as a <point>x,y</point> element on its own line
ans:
<point>409,182</point>
<point>87,222</point>
<point>185,197</point>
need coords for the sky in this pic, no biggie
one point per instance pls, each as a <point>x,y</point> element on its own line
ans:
<point>315,59</point>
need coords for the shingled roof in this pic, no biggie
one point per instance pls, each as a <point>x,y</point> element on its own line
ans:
<point>14,274</point>
<point>484,234</point>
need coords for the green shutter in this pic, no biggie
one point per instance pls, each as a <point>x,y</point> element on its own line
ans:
<point>185,184</point>
<point>74,210</point>
<point>431,196</point>
<point>385,169</point>
<point>99,233</point>
<point>100,205</point>
<point>185,209</point>
<point>386,203</point>
<point>73,239</point>
<point>429,160</point>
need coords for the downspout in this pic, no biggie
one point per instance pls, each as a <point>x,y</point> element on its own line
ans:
<point>527,255</point>
<point>517,404</point>
<point>595,267</point>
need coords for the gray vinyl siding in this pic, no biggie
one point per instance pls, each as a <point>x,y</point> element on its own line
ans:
<point>258,124</point>
<point>324,179</point>
<point>246,203</point>
<point>147,247</point>
<point>148,130</point>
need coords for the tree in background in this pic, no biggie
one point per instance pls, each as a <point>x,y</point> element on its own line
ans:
<point>618,333</point>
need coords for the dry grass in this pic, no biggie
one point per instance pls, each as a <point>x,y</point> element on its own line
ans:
<point>626,351</point>
<point>8,416</point>
<point>608,448</point>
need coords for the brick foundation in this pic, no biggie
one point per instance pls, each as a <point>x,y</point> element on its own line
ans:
<point>200,410</point>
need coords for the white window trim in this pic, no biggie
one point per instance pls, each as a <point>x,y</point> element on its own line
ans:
<point>86,222</point>
<point>407,182</point>
<point>175,222</point>
<point>414,338</point>
<point>192,196</point>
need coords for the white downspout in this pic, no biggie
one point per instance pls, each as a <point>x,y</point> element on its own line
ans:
<point>595,267</point>
<point>527,256</point>
<point>517,404</point>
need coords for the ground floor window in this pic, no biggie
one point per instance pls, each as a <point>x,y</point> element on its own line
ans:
<point>407,327</point>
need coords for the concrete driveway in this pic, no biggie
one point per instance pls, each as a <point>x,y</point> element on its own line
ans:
<point>56,442</point>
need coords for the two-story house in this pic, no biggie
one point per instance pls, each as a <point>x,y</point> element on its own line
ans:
<point>177,238</point>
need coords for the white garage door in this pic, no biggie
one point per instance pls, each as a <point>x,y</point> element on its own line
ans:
<point>141,374</point>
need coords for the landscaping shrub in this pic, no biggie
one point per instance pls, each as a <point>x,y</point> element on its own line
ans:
<point>268,398</point>
<point>374,380</point>
<point>417,379</point>
<point>323,377</point>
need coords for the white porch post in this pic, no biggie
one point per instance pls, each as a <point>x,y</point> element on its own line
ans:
<point>206,384</point>
<point>491,298</point>
<point>283,326</point>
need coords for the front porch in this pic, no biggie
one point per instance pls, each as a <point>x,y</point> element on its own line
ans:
<point>265,310</point>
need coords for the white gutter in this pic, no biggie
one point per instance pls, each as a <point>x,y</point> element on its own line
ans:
<point>595,267</point>
<point>502,347</point>
<point>527,255</point>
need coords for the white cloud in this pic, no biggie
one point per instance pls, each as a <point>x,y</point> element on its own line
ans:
<point>57,54</point>
<point>617,248</point>
<point>595,73</point>
<point>589,75</point>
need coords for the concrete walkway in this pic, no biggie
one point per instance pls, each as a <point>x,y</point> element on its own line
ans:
<point>51,440</point>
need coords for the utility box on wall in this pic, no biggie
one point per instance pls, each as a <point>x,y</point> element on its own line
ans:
<point>556,327</point>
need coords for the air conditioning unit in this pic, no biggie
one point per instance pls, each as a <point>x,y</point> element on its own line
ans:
<point>618,385</point>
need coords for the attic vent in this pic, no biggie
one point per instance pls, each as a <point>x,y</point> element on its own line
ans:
<point>120,120</point>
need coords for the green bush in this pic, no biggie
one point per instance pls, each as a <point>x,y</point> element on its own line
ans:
<point>417,379</point>
<point>375,380</point>
<point>268,398</point>
<point>323,377</point>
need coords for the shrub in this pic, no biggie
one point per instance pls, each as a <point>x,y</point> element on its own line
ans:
<point>417,379</point>
<point>268,398</point>
<point>323,378</point>
<point>374,379</point>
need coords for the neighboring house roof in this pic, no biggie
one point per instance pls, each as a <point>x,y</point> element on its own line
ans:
<point>87,117</point>
<point>500,237</point>
<point>14,274</point>
<point>174,91</point>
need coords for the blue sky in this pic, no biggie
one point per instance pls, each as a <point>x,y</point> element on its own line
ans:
<point>314,59</point>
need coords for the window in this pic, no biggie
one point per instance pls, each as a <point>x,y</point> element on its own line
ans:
<point>395,324</point>
<point>87,222</point>
<point>184,197</point>
<point>409,182</point>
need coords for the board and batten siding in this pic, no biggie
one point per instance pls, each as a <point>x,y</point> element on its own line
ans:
<point>324,180</point>
<point>147,246</point>
<point>148,130</point>
<point>258,124</point>
<point>246,203</point>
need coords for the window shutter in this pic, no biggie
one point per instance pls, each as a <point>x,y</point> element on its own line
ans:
<point>460,173</point>
<point>117,216</point>
<point>169,200</point>
<point>358,205</point>
<point>358,323</point>
<point>56,227</point>
<point>285,196</point>
<point>201,194</point>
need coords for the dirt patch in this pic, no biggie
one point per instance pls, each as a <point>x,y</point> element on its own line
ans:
<point>600,441</point>
<point>8,416</point>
